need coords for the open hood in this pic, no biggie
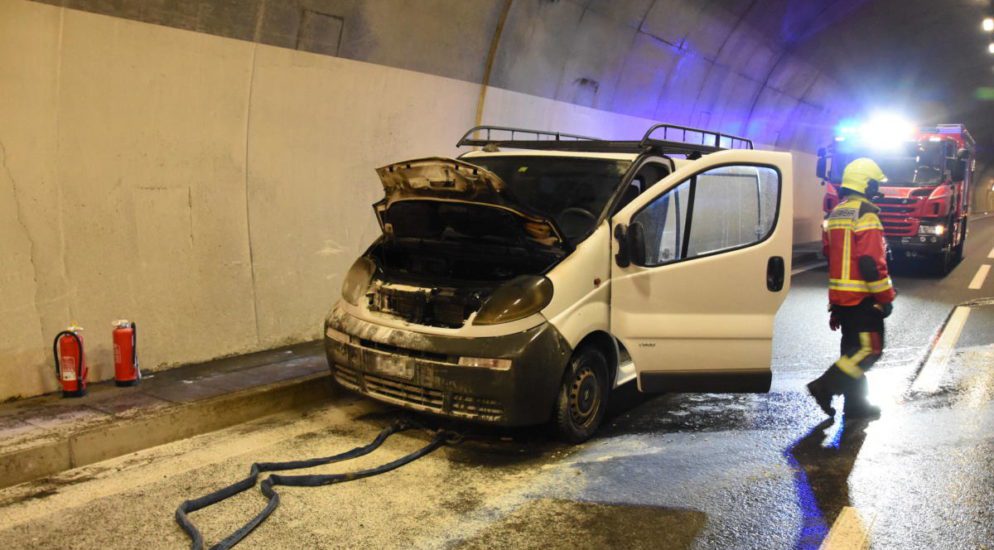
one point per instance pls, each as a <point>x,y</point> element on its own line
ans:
<point>441,197</point>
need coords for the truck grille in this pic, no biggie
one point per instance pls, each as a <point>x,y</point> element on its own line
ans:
<point>900,227</point>
<point>896,206</point>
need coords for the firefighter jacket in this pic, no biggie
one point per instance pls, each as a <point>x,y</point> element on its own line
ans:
<point>857,254</point>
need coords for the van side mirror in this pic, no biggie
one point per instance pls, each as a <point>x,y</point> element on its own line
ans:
<point>636,243</point>
<point>622,257</point>
<point>963,154</point>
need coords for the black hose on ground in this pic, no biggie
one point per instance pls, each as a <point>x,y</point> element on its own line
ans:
<point>189,506</point>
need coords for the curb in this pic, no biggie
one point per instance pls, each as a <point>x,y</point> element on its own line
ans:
<point>119,436</point>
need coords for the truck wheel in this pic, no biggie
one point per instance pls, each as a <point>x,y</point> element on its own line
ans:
<point>943,263</point>
<point>958,251</point>
<point>582,396</point>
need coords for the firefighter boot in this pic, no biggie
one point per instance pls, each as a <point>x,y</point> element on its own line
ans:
<point>827,386</point>
<point>856,405</point>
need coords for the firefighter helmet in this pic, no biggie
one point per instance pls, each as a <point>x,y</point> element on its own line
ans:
<point>858,174</point>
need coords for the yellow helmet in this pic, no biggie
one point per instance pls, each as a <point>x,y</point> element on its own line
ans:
<point>858,174</point>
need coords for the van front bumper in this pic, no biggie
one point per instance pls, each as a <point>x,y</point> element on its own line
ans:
<point>421,371</point>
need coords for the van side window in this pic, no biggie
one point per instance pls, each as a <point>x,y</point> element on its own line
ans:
<point>664,221</point>
<point>721,209</point>
<point>733,206</point>
<point>648,174</point>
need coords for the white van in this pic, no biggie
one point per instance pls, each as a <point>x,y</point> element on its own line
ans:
<point>523,282</point>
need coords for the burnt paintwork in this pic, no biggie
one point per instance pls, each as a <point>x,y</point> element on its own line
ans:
<point>521,395</point>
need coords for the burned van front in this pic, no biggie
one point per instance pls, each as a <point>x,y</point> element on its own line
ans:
<point>442,313</point>
<point>507,379</point>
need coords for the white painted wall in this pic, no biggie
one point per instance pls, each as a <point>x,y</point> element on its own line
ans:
<point>213,190</point>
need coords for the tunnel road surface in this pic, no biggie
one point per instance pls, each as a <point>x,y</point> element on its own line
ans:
<point>672,471</point>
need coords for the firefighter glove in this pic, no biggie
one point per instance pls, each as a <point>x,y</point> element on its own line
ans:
<point>884,309</point>
<point>833,322</point>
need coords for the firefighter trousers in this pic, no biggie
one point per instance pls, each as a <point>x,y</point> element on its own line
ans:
<point>862,337</point>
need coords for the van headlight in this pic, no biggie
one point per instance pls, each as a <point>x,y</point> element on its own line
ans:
<point>515,299</point>
<point>357,280</point>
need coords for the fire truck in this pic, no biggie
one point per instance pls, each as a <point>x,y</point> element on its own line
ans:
<point>924,203</point>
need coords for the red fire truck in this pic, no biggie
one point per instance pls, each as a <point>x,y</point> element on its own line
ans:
<point>923,205</point>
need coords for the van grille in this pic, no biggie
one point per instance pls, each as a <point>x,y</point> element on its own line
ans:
<point>421,397</point>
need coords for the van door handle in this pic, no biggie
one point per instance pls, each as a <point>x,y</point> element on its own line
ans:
<point>775,274</point>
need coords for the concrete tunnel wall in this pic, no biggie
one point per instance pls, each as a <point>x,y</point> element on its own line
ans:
<point>215,188</point>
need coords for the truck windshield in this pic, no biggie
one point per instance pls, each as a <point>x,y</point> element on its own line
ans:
<point>908,171</point>
<point>569,190</point>
<point>916,165</point>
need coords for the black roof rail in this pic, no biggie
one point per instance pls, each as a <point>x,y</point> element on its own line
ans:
<point>538,135</point>
<point>558,141</point>
<point>690,135</point>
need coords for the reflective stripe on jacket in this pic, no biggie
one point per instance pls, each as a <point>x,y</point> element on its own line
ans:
<point>854,230</point>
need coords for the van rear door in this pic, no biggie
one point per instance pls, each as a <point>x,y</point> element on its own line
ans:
<point>701,266</point>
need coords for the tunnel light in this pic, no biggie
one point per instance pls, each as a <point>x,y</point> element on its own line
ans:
<point>990,47</point>
<point>988,24</point>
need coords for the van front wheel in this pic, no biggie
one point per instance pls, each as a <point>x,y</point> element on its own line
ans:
<point>582,396</point>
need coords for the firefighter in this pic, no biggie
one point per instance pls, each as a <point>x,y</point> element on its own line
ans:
<point>860,292</point>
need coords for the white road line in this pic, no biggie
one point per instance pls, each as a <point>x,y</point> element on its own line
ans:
<point>991,255</point>
<point>808,267</point>
<point>980,277</point>
<point>931,374</point>
<point>851,530</point>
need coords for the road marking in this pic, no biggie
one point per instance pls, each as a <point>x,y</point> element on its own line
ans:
<point>808,267</point>
<point>851,530</point>
<point>991,255</point>
<point>980,277</point>
<point>938,360</point>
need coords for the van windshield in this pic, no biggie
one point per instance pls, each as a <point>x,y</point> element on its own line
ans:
<point>569,190</point>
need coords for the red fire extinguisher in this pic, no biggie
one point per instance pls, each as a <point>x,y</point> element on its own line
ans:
<point>126,371</point>
<point>70,364</point>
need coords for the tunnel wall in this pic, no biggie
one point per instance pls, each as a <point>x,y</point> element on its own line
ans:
<point>213,189</point>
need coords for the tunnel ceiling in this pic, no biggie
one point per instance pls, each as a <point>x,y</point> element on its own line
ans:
<point>782,71</point>
<point>926,56</point>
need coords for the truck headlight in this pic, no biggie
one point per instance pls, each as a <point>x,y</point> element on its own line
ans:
<point>937,230</point>
<point>515,299</point>
<point>357,280</point>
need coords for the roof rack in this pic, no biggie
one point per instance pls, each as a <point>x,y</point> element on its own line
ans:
<point>690,135</point>
<point>538,135</point>
<point>691,140</point>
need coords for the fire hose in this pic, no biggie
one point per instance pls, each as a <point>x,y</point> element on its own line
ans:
<point>442,437</point>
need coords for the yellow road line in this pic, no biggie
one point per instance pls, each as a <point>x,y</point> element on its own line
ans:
<point>851,530</point>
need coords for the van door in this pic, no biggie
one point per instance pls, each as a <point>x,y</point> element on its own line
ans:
<point>701,266</point>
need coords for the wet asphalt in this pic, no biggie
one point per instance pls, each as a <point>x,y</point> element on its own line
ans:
<point>668,471</point>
